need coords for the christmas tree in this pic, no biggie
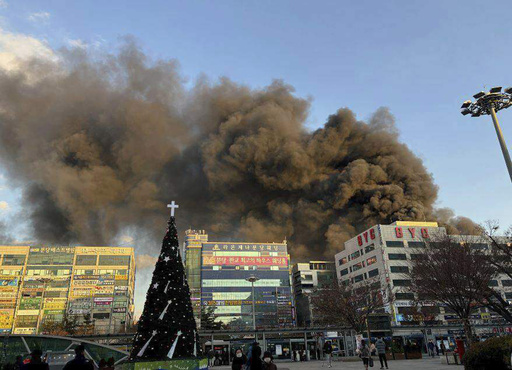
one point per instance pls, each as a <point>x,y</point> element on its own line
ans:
<point>167,328</point>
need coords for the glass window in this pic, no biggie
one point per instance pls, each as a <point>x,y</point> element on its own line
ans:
<point>13,259</point>
<point>369,248</point>
<point>373,273</point>
<point>113,260</point>
<point>416,244</point>
<point>371,260</point>
<point>415,256</point>
<point>343,272</point>
<point>401,282</point>
<point>358,278</point>
<point>493,283</point>
<point>355,255</point>
<point>397,256</point>
<point>399,269</point>
<point>357,266</point>
<point>480,246</point>
<point>394,244</point>
<point>506,282</point>
<point>409,296</point>
<point>508,295</point>
<point>343,261</point>
<point>86,259</point>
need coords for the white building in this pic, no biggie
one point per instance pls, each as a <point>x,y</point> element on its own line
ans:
<point>384,252</point>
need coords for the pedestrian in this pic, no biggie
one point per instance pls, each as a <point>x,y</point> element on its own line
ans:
<point>431,351</point>
<point>211,356</point>
<point>443,347</point>
<point>364,353</point>
<point>268,362</point>
<point>297,356</point>
<point>35,361</point>
<point>239,360</point>
<point>328,353</point>
<point>102,364</point>
<point>79,362</point>
<point>110,364</point>
<point>380,345</point>
<point>373,349</point>
<point>255,363</point>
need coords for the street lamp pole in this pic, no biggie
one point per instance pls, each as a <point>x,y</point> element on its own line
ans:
<point>252,279</point>
<point>490,103</point>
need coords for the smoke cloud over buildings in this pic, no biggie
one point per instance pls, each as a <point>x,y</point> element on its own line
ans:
<point>100,144</point>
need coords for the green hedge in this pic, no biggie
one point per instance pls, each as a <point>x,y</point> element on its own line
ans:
<point>493,354</point>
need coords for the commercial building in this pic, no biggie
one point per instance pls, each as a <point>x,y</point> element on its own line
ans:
<point>383,253</point>
<point>224,268</point>
<point>307,278</point>
<point>193,244</point>
<point>38,285</point>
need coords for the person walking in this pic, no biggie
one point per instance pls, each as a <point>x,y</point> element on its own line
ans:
<point>431,350</point>
<point>268,362</point>
<point>211,357</point>
<point>364,353</point>
<point>380,345</point>
<point>79,362</point>
<point>36,363</point>
<point>328,353</point>
<point>255,363</point>
<point>239,360</point>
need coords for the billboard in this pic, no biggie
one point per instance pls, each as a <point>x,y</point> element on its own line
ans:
<point>240,247</point>
<point>245,261</point>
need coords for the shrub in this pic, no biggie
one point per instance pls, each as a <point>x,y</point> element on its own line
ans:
<point>493,354</point>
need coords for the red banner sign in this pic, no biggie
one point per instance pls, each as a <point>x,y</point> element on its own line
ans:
<point>247,261</point>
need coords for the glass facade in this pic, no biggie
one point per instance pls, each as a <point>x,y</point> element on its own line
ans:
<point>224,270</point>
<point>192,257</point>
<point>39,285</point>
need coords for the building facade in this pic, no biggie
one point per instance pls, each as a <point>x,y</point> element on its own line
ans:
<point>383,253</point>
<point>39,285</point>
<point>222,272</point>
<point>308,277</point>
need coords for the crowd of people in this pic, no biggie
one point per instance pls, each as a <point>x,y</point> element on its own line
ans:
<point>253,360</point>
<point>37,362</point>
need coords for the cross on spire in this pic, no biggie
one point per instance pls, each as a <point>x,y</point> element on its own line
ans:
<point>172,206</point>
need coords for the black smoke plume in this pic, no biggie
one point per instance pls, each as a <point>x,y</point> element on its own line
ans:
<point>101,143</point>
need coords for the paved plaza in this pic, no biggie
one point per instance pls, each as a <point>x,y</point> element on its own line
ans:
<point>424,364</point>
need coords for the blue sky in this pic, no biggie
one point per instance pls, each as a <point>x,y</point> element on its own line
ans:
<point>419,58</point>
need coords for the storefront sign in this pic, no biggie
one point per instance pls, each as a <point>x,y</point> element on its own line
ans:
<point>245,261</point>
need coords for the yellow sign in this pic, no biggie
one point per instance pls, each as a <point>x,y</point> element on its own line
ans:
<point>103,250</point>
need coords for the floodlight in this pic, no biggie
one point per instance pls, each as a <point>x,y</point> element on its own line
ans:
<point>476,114</point>
<point>466,104</point>
<point>465,111</point>
<point>495,90</point>
<point>479,95</point>
<point>508,90</point>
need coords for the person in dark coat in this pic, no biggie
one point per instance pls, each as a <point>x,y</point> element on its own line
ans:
<point>256,363</point>
<point>239,360</point>
<point>79,362</point>
<point>35,361</point>
<point>268,362</point>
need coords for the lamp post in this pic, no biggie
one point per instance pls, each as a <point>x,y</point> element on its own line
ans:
<point>490,103</point>
<point>252,279</point>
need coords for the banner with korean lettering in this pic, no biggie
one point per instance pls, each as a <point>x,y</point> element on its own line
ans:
<point>240,247</point>
<point>248,261</point>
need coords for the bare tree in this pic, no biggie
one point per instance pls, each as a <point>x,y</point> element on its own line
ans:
<point>453,273</point>
<point>349,304</point>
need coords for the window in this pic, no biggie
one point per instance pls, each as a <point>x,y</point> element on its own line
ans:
<point>415,256</point>
<point>399,269</point>
<point>508,295</point>
<point>114,260</point>
<point>86,260</point>
<point>408,296</point>
<point>343,272</point>
<point>506,282</point>
<point>371,260</point>
<point>358,278</point>
<point>480,246</point>
<point>355,255</point>
<point>401,282</point>
<point>369,248</point>
<point>416,244</point>
<point>392,244</point>
<point>397,256</point>
<point>14,259</point>
<point>343,261</point>
<point>493,283</point>
<point>100,315</point>
<point>358,266</point>
<point>373,273</point>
